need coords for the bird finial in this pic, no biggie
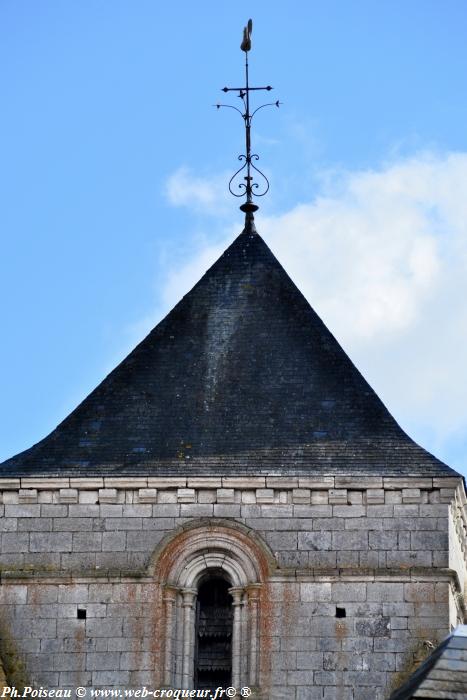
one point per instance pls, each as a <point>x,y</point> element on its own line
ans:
<point>246,43</point>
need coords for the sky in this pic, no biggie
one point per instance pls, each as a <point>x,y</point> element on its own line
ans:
<point>113,188</point>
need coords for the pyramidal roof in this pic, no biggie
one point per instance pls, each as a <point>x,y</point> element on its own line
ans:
<point>241,377</point>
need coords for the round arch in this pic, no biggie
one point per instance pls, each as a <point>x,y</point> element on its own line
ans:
<point>181,563</point>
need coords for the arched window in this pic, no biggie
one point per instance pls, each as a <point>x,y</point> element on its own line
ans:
<point>212,578</point>
<point>213,633</point>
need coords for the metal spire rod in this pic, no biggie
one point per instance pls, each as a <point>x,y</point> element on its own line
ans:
<point>249,188</point>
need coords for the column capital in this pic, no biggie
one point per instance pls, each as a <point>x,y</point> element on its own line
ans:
<point>236,592</point>
<point>253,591</point>
<point>189,596</point>
<point>169,593</point>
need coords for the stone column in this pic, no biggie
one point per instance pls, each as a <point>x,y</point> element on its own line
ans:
<point>236,594</point>
<point>253,599</point>
<point>170,598</point>
<point>189,599</point>
<point>244,665</point>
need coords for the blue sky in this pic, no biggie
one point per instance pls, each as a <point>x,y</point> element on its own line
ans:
<point>113,177</point>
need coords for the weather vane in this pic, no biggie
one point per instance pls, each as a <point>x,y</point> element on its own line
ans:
<point>249,188</point>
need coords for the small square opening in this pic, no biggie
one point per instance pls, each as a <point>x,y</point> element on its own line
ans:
<point>81,614</point>
<point>340,612</point>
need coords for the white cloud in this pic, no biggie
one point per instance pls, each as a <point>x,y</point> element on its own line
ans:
<point>381,256</point>
<point>206,195</point>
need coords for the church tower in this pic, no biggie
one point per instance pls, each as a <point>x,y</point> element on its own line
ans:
<point>233,506</point>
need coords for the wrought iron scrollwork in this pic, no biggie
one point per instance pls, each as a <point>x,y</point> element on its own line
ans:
<point>250,187</point>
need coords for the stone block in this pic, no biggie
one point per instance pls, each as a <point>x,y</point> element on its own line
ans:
<point>429,540</point>
<point>419,592</point>
<point>301,496</point>
<point>27,496</point>
<point>185,495</point>
<point>264,496</point>
<point>248,497</point>
<point>348,592</point>
<point>355,498</point>
<point>279,511</point>
<point>50,542</point>
<point>315,592</point>
<point>123,524</point>
<point>411,495</point>
<point>88,497</point>
<point>53,511</point>
<point>104,661</point>
<point>196,510</point>
<point>431,510</point>
<point>137,511</point>
<point>90,483</point>
<point>82,511</point>
<point>147,495</point>
<point>349,511</point>
<point>306,693</point>
<point>158,523</point>
<point>68,496</point>
<point>383,539</point>
<point>310,660</point>
<point>144,541</point>
<point>9,524</point>
<point>450,482</point>
<point>107,495</point>
<point>318,511</point>
<point>316,540</point>
<point>447,495</point>
<point>23,511</point>
<point>110,679</point>
<point>407,559</point>
<point>375,496</point>
<point>281,540</point>
<point>348,559</point>
<point>225,495</point>
<point>281,482</point>
<point>338,496</point>
<point>383,592</point>
<point>391,497</point>
<point>328,524</point>
<point>112,627</point>
<point>113,541</point>
<point>72,524</point>
<point>350,539</point>
<point>323,482</point>
<point>166,482</point>
<point>44,483</point>
<point>87,542</point>
<point>205,482</point>
<point>108,510</point>
<point>319,498</point>
<point>227,511</point>
<point>9,484</point>
<point>244,482</point>
<point>360,482</point>
<point>33,524</point>
<point>12,594</point>
<point>207,496</point>
<point>407,483</point>
<point>10,498</point>
<point>166,510</point>
<point>167,497</point>
<point>386,511</point>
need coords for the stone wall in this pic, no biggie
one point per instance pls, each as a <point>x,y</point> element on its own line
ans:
<point>363,579</point>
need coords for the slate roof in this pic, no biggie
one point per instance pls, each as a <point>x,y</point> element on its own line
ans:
<point>443,675</point>
<point>241,377</point>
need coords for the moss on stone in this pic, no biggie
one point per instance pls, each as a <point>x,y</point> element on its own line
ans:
<point>11,665</point>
